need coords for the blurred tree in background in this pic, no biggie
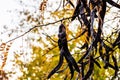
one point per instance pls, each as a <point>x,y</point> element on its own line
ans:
<point>39,52</point>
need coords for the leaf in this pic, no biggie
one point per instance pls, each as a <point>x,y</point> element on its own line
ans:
<point>29,17</point>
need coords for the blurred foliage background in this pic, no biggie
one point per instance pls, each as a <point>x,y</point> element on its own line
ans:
<point>38,53</point>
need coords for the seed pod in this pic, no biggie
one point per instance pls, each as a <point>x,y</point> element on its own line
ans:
<point>96,62</point>
<point>58,66</point>
<point>91,68</point>
<point>115,64</point>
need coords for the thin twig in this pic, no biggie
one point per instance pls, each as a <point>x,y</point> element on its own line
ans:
<point>59,6</point>
<point>37,27</point>
<point>67,41</point>
<point>78,35</point>
<point>49,37</point>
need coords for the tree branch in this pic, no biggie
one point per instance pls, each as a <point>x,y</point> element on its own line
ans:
<point>37,27</point>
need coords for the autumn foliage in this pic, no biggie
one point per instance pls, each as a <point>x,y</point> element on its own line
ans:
<point>69,43</point>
